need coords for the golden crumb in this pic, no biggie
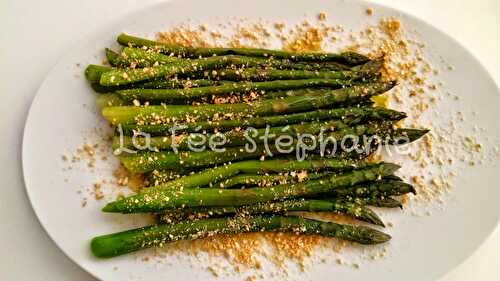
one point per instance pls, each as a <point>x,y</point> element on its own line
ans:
<point>322,16</point>
<point>302,175</point>
<point>369,11</point>
<point>184,36</point>
<point>310,40</point>
<point>279,26</point>
<point>98,191</point>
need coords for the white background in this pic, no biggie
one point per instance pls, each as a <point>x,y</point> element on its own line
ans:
<point>36,33</point>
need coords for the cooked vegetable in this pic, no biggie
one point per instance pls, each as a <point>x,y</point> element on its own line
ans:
<point>348,58</point>
<point>120,243</point>
<point>162,199</point>
<point>131,114</point>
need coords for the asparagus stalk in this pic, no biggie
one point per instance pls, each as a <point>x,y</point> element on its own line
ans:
<point>258,74</point>
<point>157,84</point>
<point>163,199</point>
<point>376,201</point>
<point>176,95</point>
<point>120,243</point>
<point>211,176</point>
<point>348,58</point>
<point>147,161</point>
<point>236,137</point>
<point>369,70</point>
<point>124,76</point>
<point>358,114</point>
<point>247,180</point>
<point>94,72</point>
<point>383,188</point>
<point>134,57</point>
<point>152,60</point>
<point>162,114</point>
<point>354,210</point>
<point>113,58</point>
<point>116,77</point>
<point>270,135</point>
<point>107,100</point>
<point>150,57</point>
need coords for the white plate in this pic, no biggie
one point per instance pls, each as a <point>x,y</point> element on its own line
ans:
<point>422,248</point>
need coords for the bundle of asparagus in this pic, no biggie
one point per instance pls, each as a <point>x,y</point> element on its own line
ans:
<point>241,100</point>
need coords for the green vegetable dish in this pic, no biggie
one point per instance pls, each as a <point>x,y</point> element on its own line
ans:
<point>234,140</point>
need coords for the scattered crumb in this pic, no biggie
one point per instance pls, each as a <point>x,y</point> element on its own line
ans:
<point>322,16</point>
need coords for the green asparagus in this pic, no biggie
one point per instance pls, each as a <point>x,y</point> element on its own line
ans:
<point>151,57</point>
<point>358,114</point>
<point>93,72</point>
<point>348,58</point>
<point>162,114</point>
<point>376,201</point>
<point>305,205</point>
<point>247,180</point>
<point>211,176</point>
<point>158,84</point>
<point>120,243</point>
<point>134,57</point>
<point>383,188</point>
<point>161,199</point>
<point>176,95</point>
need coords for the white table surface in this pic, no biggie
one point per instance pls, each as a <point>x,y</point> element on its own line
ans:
<point>36,33</point>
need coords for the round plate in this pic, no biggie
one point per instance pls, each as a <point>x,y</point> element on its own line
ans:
<point>422,248</point>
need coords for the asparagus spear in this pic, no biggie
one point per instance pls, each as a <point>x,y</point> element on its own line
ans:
<point>175,95</point>
<point>271,136</point>
<point>370,194</point>
<point>376,201</point>
<point>162,114</point>
<point>94,72</point>
<point>248,180</point>
<point>120,243</point>
<point>383,188</point>
<point>107,100</point>
<point>133,57</point>
<point>236,137</point>
<point>157,84</point>
<point>137,57</point>
<point>147,161</point>
<point>359,114</point>
<point>258,74</point>
<point>163,199</point>
<point>151,57</point>
<point>348,58</point>
<point>113,58</point>
<point>305,205</point>
<point>211,176</point>
<point>366,71</point>
<point>116,77</point>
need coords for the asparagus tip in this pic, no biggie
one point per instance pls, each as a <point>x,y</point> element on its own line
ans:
<point>111,207</point>
<point>379,237</point>
<point>412,189</point>
<point>371,236</point>
<point>404,187</point>
<point>410,135</point>
<point>372,217</point>
<point>393,177</point>
<point>390,167</point>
